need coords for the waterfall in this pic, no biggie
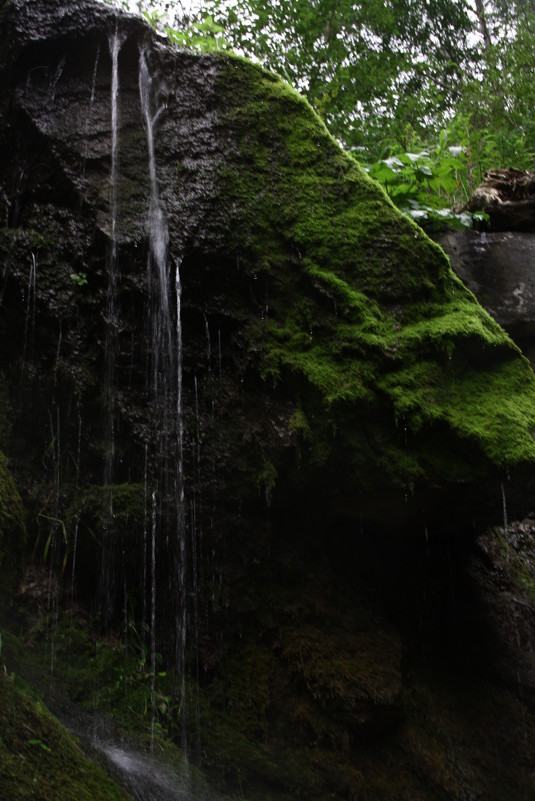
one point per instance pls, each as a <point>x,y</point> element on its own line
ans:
<point>115,46</point>
<point>181,630</point>
<point>158,235</point>
<point>113,267</point>
<point>504,512</point>
<point>153,622</point>
<point>144,622</point>
<point>91,104</point>
<point>112,332</point>
<point>165,375</point>
<point>29,322</point>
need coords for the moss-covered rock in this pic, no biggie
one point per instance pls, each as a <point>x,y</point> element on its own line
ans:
<point>39,760</point>
<point>364,319</point>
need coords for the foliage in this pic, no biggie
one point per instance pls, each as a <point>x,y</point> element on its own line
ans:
<point>204,35</point>
<point>394,83</point>
<point>80,279</point>
<point>430,185</point>
<point>361,65</point>
<point>387,75</point>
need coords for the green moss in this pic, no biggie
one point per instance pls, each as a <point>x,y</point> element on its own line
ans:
<point>342,669</point>
<point>126,500</point>
<point>367,323</point>
<point>243,690</point>
<point>39,759</point>
<point>108,674</point>
<point>491,408</point>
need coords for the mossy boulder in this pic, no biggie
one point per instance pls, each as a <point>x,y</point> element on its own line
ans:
<point>390,358</point>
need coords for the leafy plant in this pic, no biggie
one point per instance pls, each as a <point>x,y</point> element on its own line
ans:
<point>53,524</point>
<point>80,279</point>
<point>429,185</point>
<point>153,17</point>
<point>204,35</point>
<point>40,743</point>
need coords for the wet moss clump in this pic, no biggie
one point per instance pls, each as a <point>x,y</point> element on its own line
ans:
<point>358,314</point>
<point>39,759</point>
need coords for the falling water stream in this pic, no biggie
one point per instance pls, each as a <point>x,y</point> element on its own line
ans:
<point>113,267</point>
<point>166,347</point>
<point>112,334</point>
<point>164,525</point>
<point>29,322</point>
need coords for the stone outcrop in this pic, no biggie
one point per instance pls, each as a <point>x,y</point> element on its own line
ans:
<point>499,268</point>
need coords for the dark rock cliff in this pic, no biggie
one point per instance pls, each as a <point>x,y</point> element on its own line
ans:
<point>240,390</point>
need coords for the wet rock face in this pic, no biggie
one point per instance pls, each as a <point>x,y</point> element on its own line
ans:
<point>499,268</point>
<point>67,98</point>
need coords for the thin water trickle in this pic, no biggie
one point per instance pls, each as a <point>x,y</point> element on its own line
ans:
<point>208,345</point>
<point>77,521</point>
<point>111,346</point>
<point>90,113</point>
<point>74,552</point>
<point>504,508</point>
<point>180,422</point>
<point>115,47</point>
<point>125,609</point>
<point>153,622</point>
<point>166,346</point>
<point>158,233</point>
<point>56,365</point>
<point>29,322</point>
<point>52,519</point>
<point>219,354</point>
<point>144,623</point>
<point>196,386</point>
<point>182,577</point>
<point>55,80</point>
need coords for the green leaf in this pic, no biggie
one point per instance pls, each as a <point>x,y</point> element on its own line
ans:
<point>41,744</point>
